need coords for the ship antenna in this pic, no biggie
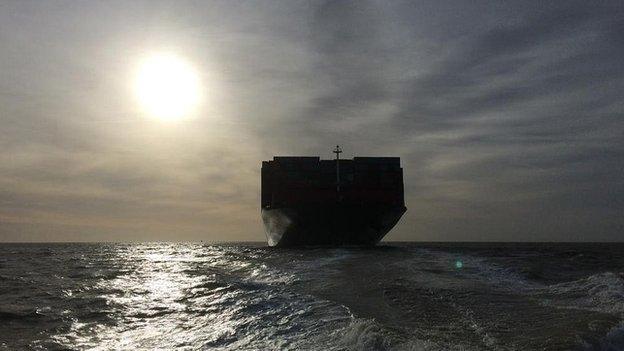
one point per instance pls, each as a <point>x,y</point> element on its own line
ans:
<point>337,151</point>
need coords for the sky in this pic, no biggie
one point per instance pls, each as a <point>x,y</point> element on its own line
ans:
<point>507,115</point>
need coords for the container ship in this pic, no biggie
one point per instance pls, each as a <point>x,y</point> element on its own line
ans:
<point>306,201</point>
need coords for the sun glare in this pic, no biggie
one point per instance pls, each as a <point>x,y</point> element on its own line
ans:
<point>167,87</point>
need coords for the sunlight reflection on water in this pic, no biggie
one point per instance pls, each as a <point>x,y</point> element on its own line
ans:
<point>175,296</point>
<point>237,297</point>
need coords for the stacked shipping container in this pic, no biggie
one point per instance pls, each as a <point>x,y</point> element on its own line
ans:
<point>288,181</point>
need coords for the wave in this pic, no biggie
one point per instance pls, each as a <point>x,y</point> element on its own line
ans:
<point>362,334</point>
<point>23,314</point>
<point>465,267</point>
<point>493,274</point>
<point>613,341</point>
<point>367,335</point>
<point>9,316</point>
<point>602,292</point>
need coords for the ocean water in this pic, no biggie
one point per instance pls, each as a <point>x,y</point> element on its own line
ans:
<point>417,296</point>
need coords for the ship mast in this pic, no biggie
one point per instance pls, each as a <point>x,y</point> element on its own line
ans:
<point>338,151</point>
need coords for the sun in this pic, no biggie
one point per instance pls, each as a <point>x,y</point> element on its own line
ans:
<point>167,87</point>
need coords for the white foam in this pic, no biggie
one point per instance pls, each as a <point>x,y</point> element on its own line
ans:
<point>362,334</point>
<point>602,292</point>
<point>493,274</point>
<point>367,335</point>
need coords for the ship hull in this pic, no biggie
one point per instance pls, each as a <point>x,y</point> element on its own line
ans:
<point>329,225</point>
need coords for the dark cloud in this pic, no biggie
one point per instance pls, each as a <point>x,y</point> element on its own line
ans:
<point>347,37</point>
<point>511,64</point>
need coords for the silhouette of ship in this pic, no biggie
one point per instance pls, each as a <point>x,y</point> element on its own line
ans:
<point>309,201</point>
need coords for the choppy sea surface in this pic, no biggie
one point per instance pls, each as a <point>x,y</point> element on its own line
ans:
<point>398,296</point>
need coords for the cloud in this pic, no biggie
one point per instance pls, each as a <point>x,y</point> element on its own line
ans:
<point>546,110</point>
<point>508,117</point>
